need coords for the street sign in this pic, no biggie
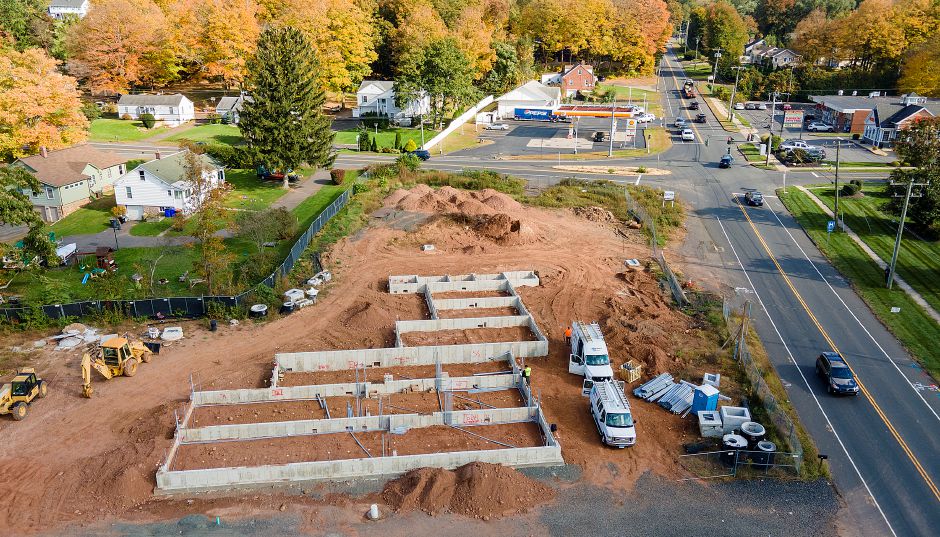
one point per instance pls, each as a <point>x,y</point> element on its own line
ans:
<point>669,195</point>
<point>831,226</point>
<point>793,118</point>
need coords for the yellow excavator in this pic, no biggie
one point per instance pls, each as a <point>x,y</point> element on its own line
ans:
<point>114,358</point>
<point>16,396</point>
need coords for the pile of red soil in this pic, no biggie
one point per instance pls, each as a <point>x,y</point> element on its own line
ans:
<point>595,214</point>
<point>478,489</point>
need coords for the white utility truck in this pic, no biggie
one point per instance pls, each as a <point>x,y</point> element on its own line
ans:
<point>611,413</point>
<point>589,356</point>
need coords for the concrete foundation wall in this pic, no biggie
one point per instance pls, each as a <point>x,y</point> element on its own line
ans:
<point>461,282</point>
<point>255,431</point>
<point>464,323</point>
<point>196,480</point>
<point>471,303</point>
<point>293,393</point>
<point>403,356</point>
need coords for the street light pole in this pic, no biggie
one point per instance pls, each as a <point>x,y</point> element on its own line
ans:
<point>897,240</point>
<point>836,206</point>
<point>770,127</point>
<point>733,91</point>
<point>610,149</point>
<point>715,72</point>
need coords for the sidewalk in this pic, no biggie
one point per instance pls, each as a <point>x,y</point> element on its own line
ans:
<point>915,296</point>
<point>306,189</point>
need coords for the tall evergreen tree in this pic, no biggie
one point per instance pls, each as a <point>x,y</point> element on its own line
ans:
<point>283,124</point>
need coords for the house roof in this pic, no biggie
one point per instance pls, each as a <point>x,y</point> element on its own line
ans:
<point>568,68</point>
<point>532,90</point>
<point>171,168</point>
<point>74,4</point>
<point>756,43</point>
<point>152,100</point>
<point>65,166</point>
<point>851,103</point>
<point>235,103</point>
<point>382,85</point>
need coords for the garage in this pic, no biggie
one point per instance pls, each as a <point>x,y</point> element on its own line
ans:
<point>533,96</point>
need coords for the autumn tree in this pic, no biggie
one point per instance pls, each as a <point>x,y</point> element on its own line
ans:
<point>777,17</point>
<point>812,37</point>
<point>506,72</point>
<point>284,124</point>
<point>921,70</point>
<point>440,71</point>
<point>120,44</point>
<point>918,146</point>
<point>214,260</point>
<point>880,44</point>
<point>418,24</point>
<point>228,34</point>
<point>725,30</point>
<point>39,106</point>
<point>16,209</point>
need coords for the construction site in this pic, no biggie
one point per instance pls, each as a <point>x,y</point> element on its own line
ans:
<point>412,362</point>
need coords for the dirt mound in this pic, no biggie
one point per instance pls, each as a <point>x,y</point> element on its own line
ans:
<point>479,490</point>
<point>595,214</point>
<point>395,197</point>
<point>497,200</point>
<point>423,198</point>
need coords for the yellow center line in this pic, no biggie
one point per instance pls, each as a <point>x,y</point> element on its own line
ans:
<point>681,102</point>
<point>881,414</point>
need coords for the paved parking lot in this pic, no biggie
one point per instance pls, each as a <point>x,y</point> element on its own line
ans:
<point>760,119</point>
<point>540,137</point>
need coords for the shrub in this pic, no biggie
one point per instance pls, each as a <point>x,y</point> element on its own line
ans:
<point>721,92</point>
<point>775,142</point>
<point>119,210</point>
<point>408,161</point>
<point>359,188</point>
<point>126,117</point>
<point>148,120</point>
<point>856,136</point>
<point>895,163</point>
<point>858,183</point>
<point>372,120</point>
<point>850,189</point>
<point>338,176</point>
<point>109,108</point>
<point>397,139</point>
<point>410,146</point>
<point>230,157</point>
<point>284,222</point>
<point>214,119</point>
<point>641,169</point>
<point>91,111</point>
<point>374,146</point>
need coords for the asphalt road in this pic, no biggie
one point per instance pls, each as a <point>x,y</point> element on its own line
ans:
<point>883,446</point>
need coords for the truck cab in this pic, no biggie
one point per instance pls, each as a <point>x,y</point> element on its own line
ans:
<point>589,356</point>
<point>611,413</point>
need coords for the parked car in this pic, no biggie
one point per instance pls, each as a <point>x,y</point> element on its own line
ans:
<point>754,198</point>
<point>794,144</point>
<point>688,135</point>
<point>701,118</point>
<point>600,136</point>
<point>681,123</point>
<point>422,154</point>
<point>819,126</point>
<point>809,118</point>
<point>750,106</point>
<point>726,161</point>
<point>645,117</point>
<point>739,106</point>
<point>497,127</point>
<point>693,105</point>
<point>836,373</point>
<point>761,106</point>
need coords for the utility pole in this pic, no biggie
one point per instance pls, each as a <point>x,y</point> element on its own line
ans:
<point>733,91</point>
<point>836,212</point>
<point>783,119</point>
<point>697,39</point>
<point>610,149</point>
<point>422,129</point>
<point>897,241</point>
<point>770,128</point>
<point>715,73</point>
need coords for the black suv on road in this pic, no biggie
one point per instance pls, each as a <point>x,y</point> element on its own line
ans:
<point>754,198</point>
<point>839,378</point>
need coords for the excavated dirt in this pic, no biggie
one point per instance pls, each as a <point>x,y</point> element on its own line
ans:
<point>376,375</point>
<point>477,489</point>
<point>477,312</point>
<point>472,335</point>
<point>595,214</point>
<point>96,459</point>
<point>340,446</point>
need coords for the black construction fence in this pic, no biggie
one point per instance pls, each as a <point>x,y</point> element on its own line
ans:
<point>186,306</point>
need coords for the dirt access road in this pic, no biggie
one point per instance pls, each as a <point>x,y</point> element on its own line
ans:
<point>77,462</point>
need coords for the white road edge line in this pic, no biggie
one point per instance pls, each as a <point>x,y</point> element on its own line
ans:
<point>814,174</point>
<point>808,387</point>
<point>848,309</point>
<point>638,177</point>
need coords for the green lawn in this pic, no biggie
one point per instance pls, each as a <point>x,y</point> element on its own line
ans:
<point>210,134</point>
<point>918,260</point>
<point>92,218</point>
<point>308,209</point>
<point>751,152</point>
<point>151,229</point>
<point>912,326</point>
<point>697,70</point>
<point>385,138</point>
<point>120,130</point>
<point>250,192</point>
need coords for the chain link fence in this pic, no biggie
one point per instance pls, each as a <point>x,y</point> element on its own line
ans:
<point>191,306</point>
<point>741,463</point>
<point>675,287</point>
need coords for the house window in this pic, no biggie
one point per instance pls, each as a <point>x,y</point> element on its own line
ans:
<point>121,169</point>
<point>127,191</point>
<point>365,99</point>
<point>179,194</point>
<point>142,175</point>
<point>49,193</point>
<point>172,111</point>
<point>169,193</point>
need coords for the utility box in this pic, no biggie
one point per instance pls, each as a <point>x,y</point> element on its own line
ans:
<point>709,424</point>
<point>705,398</point>
<point>711,378</point>
<point>732,417</point>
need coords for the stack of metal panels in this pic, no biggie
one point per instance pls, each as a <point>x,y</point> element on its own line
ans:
<point>654,387</point>
<point>679,398</point>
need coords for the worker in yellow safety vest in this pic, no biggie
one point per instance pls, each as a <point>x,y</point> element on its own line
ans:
<point>527,374</point>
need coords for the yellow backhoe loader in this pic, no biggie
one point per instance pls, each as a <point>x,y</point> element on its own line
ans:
<point>16,397</point>
<point>115,357</point>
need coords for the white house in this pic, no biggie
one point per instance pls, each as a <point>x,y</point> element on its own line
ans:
<point>172,110</point>
<point>158,185</point>
<point>378,97</point>
<point>533,95</point>
<point>59,9</point>
<point>759,53</point>
<point>231,107</point>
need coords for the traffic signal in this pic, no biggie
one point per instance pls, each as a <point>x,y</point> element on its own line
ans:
<point>730,140</point>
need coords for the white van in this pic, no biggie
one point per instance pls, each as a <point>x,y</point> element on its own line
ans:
<point>589,356</point>
<point>611,413</point>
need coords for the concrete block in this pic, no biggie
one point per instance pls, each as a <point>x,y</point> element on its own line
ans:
<point>709,424</point>
<point>732,417</point>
